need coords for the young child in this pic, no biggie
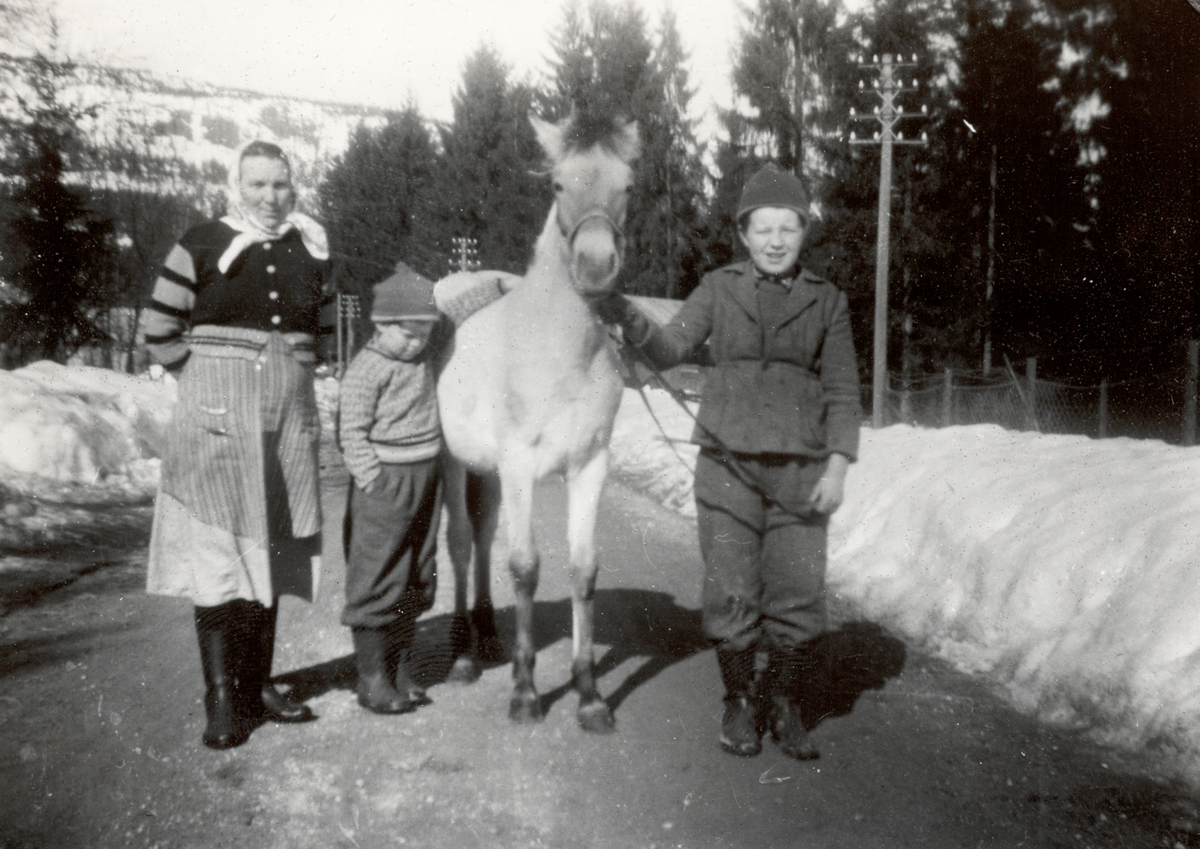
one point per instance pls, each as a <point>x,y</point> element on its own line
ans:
<point>390,439</point>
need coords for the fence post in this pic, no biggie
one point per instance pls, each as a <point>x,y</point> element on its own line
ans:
<point>947,397</point>
<point>1102,424</point>
<point>1189,392</point>
<point>1031,379</point>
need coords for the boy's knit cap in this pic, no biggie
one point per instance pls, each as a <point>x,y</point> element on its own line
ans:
<point>403,295</point>
<point>772,186</point>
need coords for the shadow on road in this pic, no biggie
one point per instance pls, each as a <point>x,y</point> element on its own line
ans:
<point>636,624</point>
<point>857,657</point>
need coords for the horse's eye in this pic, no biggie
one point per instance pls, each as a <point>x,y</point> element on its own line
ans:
<point>629,189</point>
<point>558,187</point>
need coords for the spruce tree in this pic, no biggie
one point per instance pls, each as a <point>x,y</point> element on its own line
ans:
<point>607,64</point>
<point>58,251</point>
<point>667,221</point>
<point>377,203</point>
<point>488,188</point>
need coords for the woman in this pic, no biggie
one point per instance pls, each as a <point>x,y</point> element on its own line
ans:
<point>777,427</point>
<point>235,313</point>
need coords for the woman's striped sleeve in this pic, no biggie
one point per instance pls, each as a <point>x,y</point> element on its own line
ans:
<point>167,316</point>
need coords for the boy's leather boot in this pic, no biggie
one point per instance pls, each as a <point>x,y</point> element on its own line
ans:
<point>400,640</point>
<point>375,690</point>
<point>789,670</point>
<point>739,727</point>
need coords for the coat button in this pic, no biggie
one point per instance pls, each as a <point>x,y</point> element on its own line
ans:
<point>274,296</point>
<point>270,269</point>
<point>275,319</point>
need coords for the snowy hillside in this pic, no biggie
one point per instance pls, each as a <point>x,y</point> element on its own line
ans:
<point>1059,567</point>
<point>198,123</point>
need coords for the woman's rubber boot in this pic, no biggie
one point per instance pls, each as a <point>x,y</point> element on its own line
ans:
<point>400,640</point>
<point>276,707</point>
<point>375,690</point>
<point>224,700</point>
<point>739,728</point>
<point>789,671</point>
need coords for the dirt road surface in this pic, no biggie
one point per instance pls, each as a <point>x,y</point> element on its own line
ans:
<point>101,715</point>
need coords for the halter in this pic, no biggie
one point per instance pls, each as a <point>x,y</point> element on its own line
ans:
<point>618,236</point>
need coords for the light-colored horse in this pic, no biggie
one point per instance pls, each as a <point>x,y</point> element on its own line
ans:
<point>530,387</point>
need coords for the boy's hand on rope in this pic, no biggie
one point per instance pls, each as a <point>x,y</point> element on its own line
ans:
<point>615,308</point>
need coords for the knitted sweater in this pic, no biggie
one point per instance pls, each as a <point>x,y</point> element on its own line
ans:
<point>387,412</point>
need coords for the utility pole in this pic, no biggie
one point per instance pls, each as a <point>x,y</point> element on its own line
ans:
<point>348,310</point>
<point>467,254</point>
<point>888,87</point>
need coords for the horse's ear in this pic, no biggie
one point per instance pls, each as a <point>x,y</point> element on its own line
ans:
<point>627,144</point>
<point>550,137</point>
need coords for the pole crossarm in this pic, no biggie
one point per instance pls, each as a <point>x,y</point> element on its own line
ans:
<point>888,87</point>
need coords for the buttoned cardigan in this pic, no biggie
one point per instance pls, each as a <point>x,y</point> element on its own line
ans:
<point>271,286</point>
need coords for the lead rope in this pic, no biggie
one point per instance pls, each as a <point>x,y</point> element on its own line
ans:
<point>641,390</point>
<point>722,450</point>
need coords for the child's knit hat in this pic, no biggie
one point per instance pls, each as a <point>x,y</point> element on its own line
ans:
<point>404,295</point>
<point>772,186</point>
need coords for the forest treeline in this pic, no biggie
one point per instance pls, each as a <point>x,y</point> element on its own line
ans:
<point>1055,207</point>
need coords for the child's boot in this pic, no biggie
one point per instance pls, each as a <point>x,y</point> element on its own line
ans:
<point>276,707</point>
<point>400,640</point>
<point>375,690</point>
<point>789,670</point>
<point>739,726</point>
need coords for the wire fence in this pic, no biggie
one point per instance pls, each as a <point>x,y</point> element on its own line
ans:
<point>1157,406</point>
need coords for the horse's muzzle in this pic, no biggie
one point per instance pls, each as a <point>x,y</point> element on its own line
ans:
<point>595,256</point>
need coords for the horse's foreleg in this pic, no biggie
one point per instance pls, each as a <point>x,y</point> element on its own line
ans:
<point>583,503</point>
<point>459,540</point>
<point>483,501</point>
<point>517,494</point>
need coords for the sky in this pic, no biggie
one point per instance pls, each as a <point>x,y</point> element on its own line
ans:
<point>1059,569</point>
<point>372,52</point>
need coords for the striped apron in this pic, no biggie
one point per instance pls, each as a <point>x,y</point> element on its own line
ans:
<point>238,510</point>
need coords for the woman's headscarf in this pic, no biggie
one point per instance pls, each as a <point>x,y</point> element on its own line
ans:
<point>251,231</point>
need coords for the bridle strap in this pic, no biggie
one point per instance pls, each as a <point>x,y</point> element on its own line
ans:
<point>585,218</point>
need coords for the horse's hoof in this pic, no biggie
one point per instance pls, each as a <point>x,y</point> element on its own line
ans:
<point>525,709</point>
<point>464,671</point>
<point>596,718</point>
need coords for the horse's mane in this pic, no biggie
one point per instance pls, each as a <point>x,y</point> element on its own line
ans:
<point>585,130</point>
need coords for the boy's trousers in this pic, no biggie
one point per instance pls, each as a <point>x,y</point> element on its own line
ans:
<point>390,541</point>
<point>764,558</point>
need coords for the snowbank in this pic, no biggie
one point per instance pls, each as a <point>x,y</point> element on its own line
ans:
<point>650,448</point>
<point>1060,567</point>
<point>81,424</point>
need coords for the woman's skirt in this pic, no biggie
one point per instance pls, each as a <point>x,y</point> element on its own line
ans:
<point>238,510</point>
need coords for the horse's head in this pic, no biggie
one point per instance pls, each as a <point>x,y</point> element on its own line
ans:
<point>593,177</point>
